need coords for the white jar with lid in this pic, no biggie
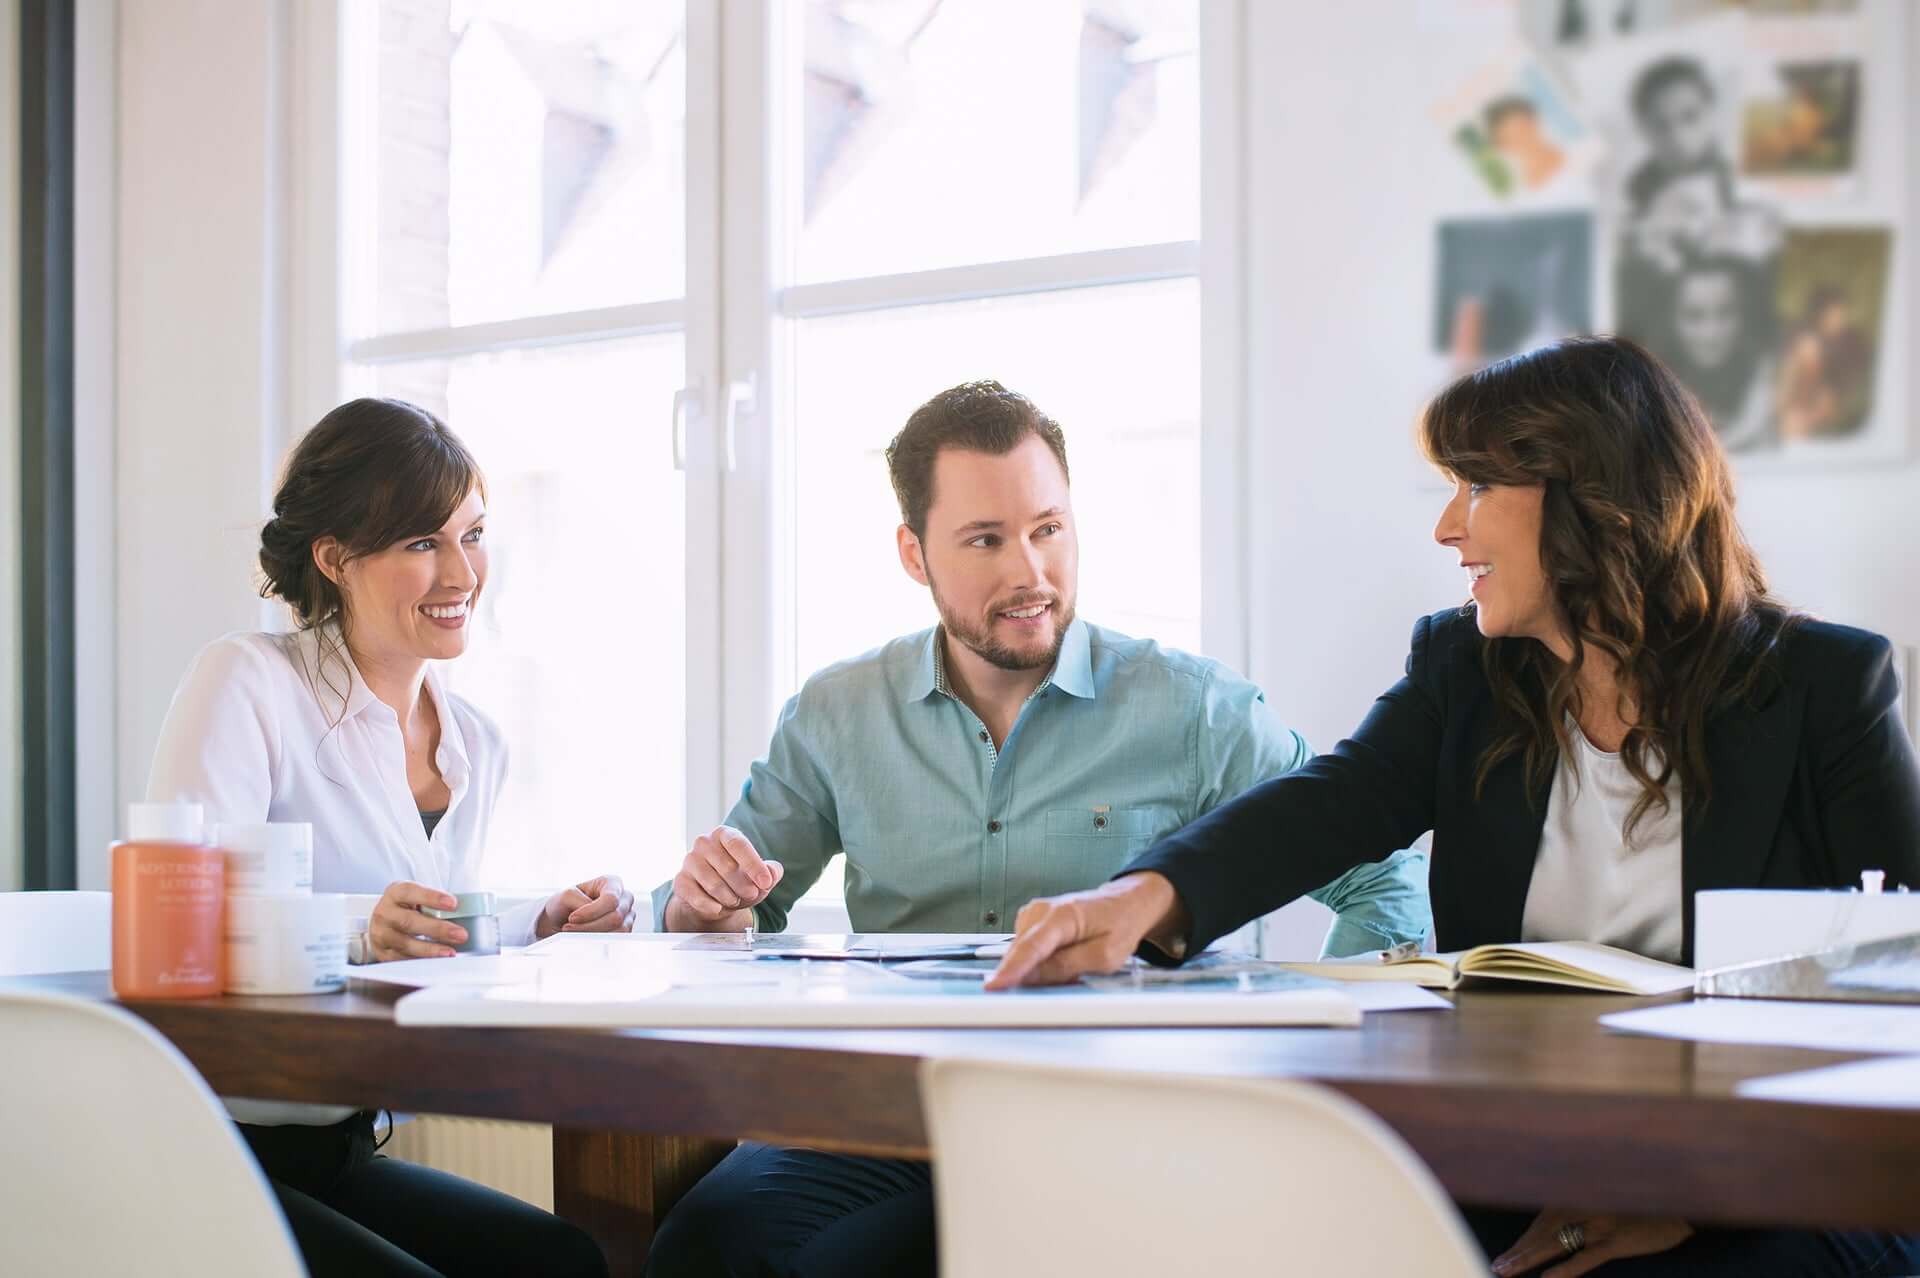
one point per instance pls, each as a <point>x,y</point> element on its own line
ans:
<point>266,856</point>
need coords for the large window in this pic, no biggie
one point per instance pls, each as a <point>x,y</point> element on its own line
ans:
<point>678,273</point>
<point>514,201</point>
<point>1034,155</point>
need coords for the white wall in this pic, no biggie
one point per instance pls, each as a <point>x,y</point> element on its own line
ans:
<point>12,831</point>
<point>1338,279</point>
<point>200,390</point>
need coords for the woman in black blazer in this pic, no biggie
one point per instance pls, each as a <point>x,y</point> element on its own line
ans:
<point>1619,620</point>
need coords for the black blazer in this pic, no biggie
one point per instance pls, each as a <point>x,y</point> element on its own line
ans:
<point>1813,781</point>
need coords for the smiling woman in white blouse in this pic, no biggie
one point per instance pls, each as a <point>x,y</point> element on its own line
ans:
<point>378,547</point>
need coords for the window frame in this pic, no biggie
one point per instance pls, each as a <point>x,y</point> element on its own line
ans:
<point>736,316</point>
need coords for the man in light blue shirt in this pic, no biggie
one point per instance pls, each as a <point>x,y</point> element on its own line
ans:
<point>1011,752</point>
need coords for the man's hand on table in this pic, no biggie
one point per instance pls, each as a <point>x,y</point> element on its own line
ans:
<point>719,883</point>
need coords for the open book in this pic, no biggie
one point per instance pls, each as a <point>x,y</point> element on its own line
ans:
<point>1580,964</point>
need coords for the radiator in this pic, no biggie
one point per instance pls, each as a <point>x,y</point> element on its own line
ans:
<point>514,1158</point>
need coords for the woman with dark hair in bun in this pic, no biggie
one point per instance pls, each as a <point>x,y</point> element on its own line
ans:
<point>378,547</point>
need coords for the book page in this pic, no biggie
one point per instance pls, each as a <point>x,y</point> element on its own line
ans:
<point>1597,966</point>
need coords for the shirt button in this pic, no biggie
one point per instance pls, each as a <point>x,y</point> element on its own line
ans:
<point>1099,823</point>
<point>984,736</point>
<point>993,916</point>
<point>993,827</point>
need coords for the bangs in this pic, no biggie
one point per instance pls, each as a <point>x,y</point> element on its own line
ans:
<point>424,482</point>
<point>1474,429</point>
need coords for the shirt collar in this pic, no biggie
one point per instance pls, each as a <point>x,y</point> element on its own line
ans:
<point>455,765</point>
<point>1072,670</point>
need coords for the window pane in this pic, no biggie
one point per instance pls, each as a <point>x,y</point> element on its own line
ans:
<point>579,648</point>
<point>941,134</point>
<point>521,159</point>
<point>1133,443</point>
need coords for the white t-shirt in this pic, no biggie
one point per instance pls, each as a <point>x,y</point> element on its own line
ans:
<point>269,727</point>
<point>1589,882</point>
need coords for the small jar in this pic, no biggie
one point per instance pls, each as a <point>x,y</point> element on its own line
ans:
<point>473,911</point>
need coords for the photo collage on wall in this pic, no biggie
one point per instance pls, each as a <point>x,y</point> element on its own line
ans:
<point>1703,163</point>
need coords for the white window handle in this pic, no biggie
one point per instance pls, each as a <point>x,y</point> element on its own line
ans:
<point>740,399</point>
<point>686,402</point>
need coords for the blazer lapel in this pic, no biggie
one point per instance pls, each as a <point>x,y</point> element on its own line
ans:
<point>1750,757</point>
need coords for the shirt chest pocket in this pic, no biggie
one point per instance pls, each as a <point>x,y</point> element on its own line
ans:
<point>1100,841</point>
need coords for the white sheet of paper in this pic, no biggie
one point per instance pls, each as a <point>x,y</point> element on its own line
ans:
<point>1835,1027</point>
<point>846,997</point>
<point>1892,1082</point>
<point>1394,996</point>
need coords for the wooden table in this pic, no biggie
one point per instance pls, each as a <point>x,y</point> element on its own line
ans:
<point>1516,1098</point>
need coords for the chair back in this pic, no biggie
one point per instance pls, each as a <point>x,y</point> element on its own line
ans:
<point>1049,1170</point>
<point>119,1159</point>
<point>55,932</point>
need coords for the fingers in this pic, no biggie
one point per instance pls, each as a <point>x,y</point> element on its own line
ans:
<point>712,885</point>
<point>1106,953</point>
<point>592,911</point>
<point>389,945</point>
<point>724,874</point>
<point>611,909</point>
<point>1584,1261</point>
<point>397,929</point>
<point>1541,1245</point>
<point>1042,929</point>
<point>740,864</point>
<point>407,893</point>
<point>699,898</point>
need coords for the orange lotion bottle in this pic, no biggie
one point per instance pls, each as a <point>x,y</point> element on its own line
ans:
<point>169,891</point>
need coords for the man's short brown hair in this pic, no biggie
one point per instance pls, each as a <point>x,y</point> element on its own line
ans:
<point>981,417</point>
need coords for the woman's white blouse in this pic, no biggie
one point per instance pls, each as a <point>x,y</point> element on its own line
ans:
<point>268,727</point>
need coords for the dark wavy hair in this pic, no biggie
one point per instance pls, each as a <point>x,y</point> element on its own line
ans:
<point>370,473</point>
<point>1644,560</point>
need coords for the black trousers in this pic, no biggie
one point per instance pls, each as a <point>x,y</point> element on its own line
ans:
<point>1734,1253</point>
<point>355,1212</point>
<point>768,1210</point>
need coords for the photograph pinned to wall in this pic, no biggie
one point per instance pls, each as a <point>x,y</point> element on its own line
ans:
<point>1831,302</point>
<point>1801,114</point>
<point>1667,104</point>
<point>1694,262</point>
<point>1711,319</point>
<point>1806,123</point>
<point>1512,283</point>
<point>1518,132</point>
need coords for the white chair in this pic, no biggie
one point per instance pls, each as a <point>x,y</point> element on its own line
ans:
<point>55,932</point>
<point>1050,1170</point>
<point>118,1158</point>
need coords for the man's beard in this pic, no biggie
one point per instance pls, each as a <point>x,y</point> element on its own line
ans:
<point>981,641</point>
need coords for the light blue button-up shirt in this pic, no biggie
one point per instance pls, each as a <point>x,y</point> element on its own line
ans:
<point>876,760</point>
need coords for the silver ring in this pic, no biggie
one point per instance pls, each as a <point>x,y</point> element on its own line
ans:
<point>1572,1237</point>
